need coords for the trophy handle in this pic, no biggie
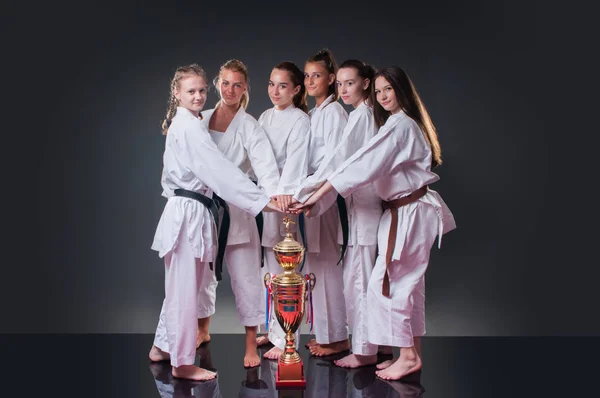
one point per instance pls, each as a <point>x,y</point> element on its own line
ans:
<point>311,281</point>
<point>267,279</point>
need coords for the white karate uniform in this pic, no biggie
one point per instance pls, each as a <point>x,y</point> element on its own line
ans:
<point>364,212</point>
<point>327,123</point>
<point>186,234</point>
<point>246,145</point>
<point>288,132</point>
<point>398,161</point>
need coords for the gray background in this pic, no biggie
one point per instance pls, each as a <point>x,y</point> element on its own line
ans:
<point>86,87</point>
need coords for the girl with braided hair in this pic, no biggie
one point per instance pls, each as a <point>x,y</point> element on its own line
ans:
<point>193,169</point>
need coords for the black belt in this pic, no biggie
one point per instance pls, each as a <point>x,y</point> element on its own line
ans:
<point>260,222</point>
<point>341,202</point>
<point>213,206</point>
<point>302,230</point>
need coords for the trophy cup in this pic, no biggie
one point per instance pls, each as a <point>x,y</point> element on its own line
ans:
<point>289,292</point>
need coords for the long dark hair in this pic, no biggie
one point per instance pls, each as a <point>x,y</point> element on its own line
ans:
<point>325,57</point>
<point>297,78</point>
<point>410,102</point>
<point>363,70</point>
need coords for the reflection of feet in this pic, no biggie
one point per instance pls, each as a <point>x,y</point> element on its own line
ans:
<point>161,371</point>
<point>356,361</point>
<point>205,357</point>
<point>405,389</point>
<point>156,354</point>
<point>386,364</point>
<point>192,372</point>
<point>403,366</point>
<point>273,353</point>
<point>202,338</point>
<point>251,359</point>
<point>253,382</point>
<point>262,340</point>
<point>363,378</point>
<point>321,350</point>
<point>310,343</point>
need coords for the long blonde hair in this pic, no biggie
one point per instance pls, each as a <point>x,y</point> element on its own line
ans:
<point>234,65</point>
<point>180,73</point>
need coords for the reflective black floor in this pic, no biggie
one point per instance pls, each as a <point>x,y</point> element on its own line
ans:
<point>118,366</point>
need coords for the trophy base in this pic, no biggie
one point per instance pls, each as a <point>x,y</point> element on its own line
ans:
<point>290,376</point>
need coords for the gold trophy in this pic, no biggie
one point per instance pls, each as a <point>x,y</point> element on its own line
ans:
<point>289,292</point>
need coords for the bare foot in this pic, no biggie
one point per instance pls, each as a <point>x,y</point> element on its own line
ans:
<point>202,335</point>
<point>156,354</point>
<point>321,350</point>
<point>310,343</point>
<point>409,362</point>
<point>356,361</point>
<point>262,340</point>
<point>202,338</point>
<point>273,353</point>
<point>193,372</point>
<point>417,342</point>
<point>386,364</point>
<point>251,359</point>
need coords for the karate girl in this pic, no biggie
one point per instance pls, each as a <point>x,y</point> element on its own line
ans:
<point>327,121</point>
<point>287,125</point>
<point>193,168</point>
<point>398,161</point>
<point>354,80</point>
<point>241,139</point>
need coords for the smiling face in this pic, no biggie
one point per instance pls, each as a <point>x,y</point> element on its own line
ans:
<point>281,89</point>
<point>317,80</point>
<point>386,96</point>
<point>191,93</point>
<point>351,86</point>
<point>232,85</point>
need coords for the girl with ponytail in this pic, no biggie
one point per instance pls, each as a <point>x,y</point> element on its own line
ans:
<point>287,125</point>
<point>354,79</point>
<point>323,251</point>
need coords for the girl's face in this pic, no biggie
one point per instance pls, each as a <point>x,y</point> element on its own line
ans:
<point>191,93</point>
<point>232,85</point>
<point>281,89</point>
<point>351,86</point>
<point>317,79</point>
<point>386,96</point>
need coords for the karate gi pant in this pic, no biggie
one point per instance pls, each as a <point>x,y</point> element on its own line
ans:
<point>276,334</point>
<point>247,279</point>
<point>394,321</point>
<point>185,277</point>
<point>358,266</point>
<point>328,294</point>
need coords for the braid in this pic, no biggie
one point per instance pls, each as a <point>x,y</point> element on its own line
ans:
<point>181,72</point>
<point>171,110</point>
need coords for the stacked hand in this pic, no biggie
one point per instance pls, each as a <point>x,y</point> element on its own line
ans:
<point>287,204</point>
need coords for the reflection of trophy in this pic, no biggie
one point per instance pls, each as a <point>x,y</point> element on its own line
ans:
<point>289,293</point>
